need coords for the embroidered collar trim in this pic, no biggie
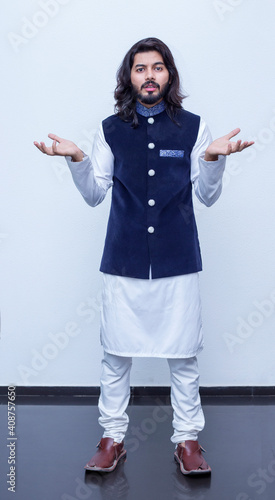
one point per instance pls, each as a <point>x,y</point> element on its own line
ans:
<point>155,110</point>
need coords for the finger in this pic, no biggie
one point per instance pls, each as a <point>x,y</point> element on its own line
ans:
<point>235,146</point>
<point>243,145</point>
<point>44,149</point>
<point>54,147</point>
<point>238,145</point>
<point>233,133</point>
<point>247,144</point>
<point>229,149</point>
<point>38,146</point>
<point>55,137</point>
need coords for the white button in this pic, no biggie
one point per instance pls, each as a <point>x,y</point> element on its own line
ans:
<point>151,120</point>
<point>151,229</point>
<point>151,203</point>
<point>151,172</point>
<point>151,145</point>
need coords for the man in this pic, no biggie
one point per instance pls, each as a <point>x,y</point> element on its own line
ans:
<point>151,152</point>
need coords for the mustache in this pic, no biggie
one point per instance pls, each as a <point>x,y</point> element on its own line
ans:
<point>150,83</point>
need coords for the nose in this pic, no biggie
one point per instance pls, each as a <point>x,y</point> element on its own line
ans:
<point>149,74</point>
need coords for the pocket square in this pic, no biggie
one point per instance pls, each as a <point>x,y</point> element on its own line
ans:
<point>171,153</point>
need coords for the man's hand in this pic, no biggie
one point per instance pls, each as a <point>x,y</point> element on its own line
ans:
<point>64,148</point>
<point>223,146</point>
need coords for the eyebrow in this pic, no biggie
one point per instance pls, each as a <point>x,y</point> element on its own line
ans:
<point>155,64</point>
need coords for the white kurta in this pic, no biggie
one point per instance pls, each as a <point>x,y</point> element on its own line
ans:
<point>152,318</point>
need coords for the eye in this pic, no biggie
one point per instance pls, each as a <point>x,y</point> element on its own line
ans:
<point>158,68</point>
<point>139,70</point>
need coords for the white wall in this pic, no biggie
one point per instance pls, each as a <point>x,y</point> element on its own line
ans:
<point>59,77</point>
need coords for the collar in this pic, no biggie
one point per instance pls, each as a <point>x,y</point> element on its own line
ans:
<point>155,110</point>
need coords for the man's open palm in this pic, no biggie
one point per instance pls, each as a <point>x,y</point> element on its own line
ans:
<point>223,145</point>
<point>59,147</point>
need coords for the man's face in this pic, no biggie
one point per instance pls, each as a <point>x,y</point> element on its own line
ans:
<point>149,77</point>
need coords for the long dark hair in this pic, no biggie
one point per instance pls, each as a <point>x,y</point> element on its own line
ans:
<point>125,106</point>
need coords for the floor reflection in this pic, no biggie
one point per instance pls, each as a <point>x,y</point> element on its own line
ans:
<point>55,441</point>
<point>109,485</point>
<point>190,487</point>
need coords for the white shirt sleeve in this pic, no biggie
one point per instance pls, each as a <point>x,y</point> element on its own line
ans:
<point>206,176</point>
<point>94,177</point>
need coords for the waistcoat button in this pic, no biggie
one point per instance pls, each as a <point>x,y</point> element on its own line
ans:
<point>151,229</point>
<point>151,145</point>
<point>151,120</point>
<point>151,203</point>
<point>151,172</point>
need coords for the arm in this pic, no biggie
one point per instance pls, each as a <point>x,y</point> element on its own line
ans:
<point>92,178</point>
<point>208,162</point>
<point>206,176</point>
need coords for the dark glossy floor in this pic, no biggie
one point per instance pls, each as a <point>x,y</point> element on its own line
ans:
<point>57,436</point>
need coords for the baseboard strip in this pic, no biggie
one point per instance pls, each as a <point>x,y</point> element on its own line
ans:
<point>138,391</point>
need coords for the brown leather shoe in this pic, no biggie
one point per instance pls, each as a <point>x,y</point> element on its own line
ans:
<point>190,458</point>
<point>107,456</point>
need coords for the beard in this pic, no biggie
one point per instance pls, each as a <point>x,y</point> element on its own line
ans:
<point>151,99</point>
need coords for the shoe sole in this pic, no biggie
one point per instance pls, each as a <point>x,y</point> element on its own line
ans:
<point>195,472</point>
<point>109,469</point>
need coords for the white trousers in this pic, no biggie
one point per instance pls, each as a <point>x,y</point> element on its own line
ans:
<point>188,418</point>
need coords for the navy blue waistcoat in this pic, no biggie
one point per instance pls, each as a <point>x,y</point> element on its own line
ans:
<point>151,220</point>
